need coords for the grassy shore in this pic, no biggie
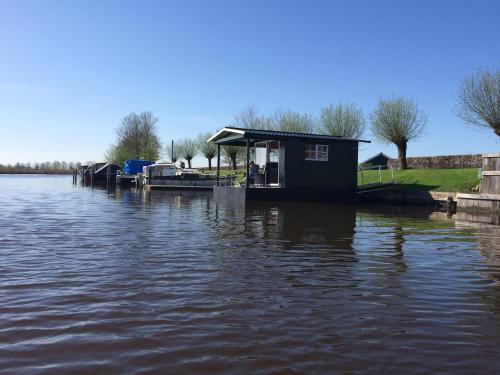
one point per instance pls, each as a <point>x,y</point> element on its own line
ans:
<point>451,180</point>
<point>461,180</point>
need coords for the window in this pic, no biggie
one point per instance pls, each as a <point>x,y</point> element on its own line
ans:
<point>316,152</point>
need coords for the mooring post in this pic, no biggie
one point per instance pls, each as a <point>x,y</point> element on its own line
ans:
<point>218,164</point>
<point>449,205</point>
<point>108,175</point>
<point>247,179</point>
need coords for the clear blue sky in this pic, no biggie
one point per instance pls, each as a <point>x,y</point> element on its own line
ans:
<point>70,70</point>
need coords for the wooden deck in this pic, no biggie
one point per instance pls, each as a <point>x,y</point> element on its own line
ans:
<point>178,187</point>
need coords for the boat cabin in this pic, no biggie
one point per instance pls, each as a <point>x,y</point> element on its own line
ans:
<point>290,166</point>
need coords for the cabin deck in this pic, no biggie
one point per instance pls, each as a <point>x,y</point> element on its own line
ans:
<point>178,187</point>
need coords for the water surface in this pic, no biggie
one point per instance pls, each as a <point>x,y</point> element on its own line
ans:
<point>93,281</point>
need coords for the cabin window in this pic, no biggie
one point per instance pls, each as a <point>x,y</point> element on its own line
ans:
<point>316,152</point>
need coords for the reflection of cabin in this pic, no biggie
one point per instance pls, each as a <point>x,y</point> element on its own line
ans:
<point>291,166</point>
<point>380,159</point>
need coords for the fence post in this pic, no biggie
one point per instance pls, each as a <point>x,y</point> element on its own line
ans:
<point>379,174</point>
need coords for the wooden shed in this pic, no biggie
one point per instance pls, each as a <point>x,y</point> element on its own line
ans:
<point>378,160</point>
<point>290,166</point>
<point>489,197</point>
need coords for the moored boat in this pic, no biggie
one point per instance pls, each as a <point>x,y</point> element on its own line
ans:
<point>167,175</point>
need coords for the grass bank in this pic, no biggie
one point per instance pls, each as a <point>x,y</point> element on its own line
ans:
<point>451,180</point>
<point>461,180</point>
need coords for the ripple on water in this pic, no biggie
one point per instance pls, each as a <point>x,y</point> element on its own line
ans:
<point>129,282</point>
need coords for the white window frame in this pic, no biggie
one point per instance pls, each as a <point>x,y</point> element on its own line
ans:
<point>317,153</point>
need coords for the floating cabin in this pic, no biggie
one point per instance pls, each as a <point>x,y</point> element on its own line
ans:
<point>290,166</point>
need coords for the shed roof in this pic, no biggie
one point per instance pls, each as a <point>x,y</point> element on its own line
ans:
<point>376,156</point>
<point>234,135</point>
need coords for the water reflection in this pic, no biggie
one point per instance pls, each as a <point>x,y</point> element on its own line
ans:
<point>131,281</point>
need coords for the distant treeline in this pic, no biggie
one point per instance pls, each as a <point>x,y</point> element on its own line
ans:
<point>48,167</point>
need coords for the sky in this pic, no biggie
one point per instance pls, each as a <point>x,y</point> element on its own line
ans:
<point>70,70</point>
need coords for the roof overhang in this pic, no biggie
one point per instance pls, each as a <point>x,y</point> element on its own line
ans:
<point>238,136</point>
<point>227,133</point>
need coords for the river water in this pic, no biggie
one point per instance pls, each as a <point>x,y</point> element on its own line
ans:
<point>100,282</point>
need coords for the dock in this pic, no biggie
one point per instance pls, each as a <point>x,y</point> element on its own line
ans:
<point>178,187</point>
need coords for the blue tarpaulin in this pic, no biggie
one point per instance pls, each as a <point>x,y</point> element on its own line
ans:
<point>135,166</point>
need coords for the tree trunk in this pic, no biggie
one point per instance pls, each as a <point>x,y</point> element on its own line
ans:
<point>233,162</point>
<point>189,163</point>
<point>403,164</point>
<point>209,164</point>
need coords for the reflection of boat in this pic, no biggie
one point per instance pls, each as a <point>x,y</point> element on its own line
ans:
<point>167,175</point>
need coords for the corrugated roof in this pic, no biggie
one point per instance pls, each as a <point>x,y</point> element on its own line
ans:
<point>275,134</point>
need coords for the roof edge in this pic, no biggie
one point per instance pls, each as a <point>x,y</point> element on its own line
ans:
<point>233,129</point>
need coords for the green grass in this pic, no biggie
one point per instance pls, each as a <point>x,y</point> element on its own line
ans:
<point>452,180</point>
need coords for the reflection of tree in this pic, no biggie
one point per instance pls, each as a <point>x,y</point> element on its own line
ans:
<point>398,257</point>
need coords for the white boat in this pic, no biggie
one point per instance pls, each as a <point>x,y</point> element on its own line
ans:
<point>169,175</point>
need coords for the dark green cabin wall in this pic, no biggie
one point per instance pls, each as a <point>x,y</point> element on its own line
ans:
<point>339,172</point>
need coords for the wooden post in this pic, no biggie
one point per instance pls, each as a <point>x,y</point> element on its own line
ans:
<point>108,175</point>
<point>218,164</point>
<point>247,179</point>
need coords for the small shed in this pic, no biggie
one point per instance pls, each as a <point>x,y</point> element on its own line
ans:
<point>379,159</point>
<point>290,166</point>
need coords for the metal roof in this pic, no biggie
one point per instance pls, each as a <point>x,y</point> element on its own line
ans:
<point>374,156</point>
<point>235,134</point>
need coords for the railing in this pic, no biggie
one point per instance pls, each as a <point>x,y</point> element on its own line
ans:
<point>375,174</point>
<point>226,181</point>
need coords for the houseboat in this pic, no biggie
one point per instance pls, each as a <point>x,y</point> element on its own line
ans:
<point>290,166</point>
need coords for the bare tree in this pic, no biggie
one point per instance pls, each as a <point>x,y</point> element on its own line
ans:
<point>233,154</point>
<point>171,152</point>
<point>208,149</point>
<point>343,120</point>
<point>398,120</point>
<point>137,138</point>
<point>293,122</point>
<point>188,148</point>
<point>250,119</point>
<point>479,100</point>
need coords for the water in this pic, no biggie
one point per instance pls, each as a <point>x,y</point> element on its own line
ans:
<point>167,282</point>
